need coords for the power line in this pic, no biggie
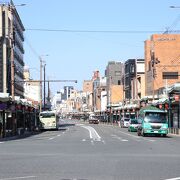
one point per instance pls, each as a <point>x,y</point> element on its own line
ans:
<point>98,31</point>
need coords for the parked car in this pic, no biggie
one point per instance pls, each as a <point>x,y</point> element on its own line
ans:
<point>124,122</point>
<point>133,125</point>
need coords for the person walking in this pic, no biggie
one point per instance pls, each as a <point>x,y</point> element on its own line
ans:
<point>1,126</point>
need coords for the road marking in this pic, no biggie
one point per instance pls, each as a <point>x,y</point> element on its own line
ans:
<point>117,137</point>
<point>1,142</point>
<point>23,177</point>
<point>51,138</point>
<point>92,133</point>
<point>151,140</point>
<point>84,140</point>
<point>94,136</point>
<point>177,178</point>
<point>124,140</point>
<point>58,135</point>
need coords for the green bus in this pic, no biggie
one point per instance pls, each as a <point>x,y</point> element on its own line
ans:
<point>48,120</point>
<point>152,120</point>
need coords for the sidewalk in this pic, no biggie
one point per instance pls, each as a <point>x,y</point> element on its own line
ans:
<point>26,134</point>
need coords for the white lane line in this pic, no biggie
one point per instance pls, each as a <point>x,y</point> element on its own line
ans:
<point>137,137</point>
<point>1,142</point>
<point>177,178</point>
<point>84,140</point>
<point>124,140</point>
<point>23,177</point>
<point>94,136</point>
<point>51,138</point>
<point>119,138</point>
<point>58,135</point>
<point>92,133</point>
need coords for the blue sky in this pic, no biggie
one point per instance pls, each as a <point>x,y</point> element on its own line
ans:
<point>77,55</point>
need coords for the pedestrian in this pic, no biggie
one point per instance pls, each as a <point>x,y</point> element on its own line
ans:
<point>1,129</point>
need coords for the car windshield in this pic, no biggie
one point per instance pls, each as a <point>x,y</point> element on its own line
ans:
<point>134,121</point>
<point>47,115</point>
<point>153,117</point>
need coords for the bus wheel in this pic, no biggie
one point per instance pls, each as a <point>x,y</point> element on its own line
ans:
<point>164,135</point>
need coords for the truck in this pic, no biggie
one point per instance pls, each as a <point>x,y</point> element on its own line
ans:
<point>152,120</point>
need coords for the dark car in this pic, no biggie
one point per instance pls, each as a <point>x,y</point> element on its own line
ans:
<point>93,120</point>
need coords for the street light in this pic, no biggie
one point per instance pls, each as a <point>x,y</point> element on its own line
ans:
<point>41,66</point>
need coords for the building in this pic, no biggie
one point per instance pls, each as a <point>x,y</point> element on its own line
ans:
<point>67,92</point>
<point>134,77</point>
<point>88,89</point>
<point>11,51</point>
<point>31,89</point>
<point>114,75</point>
<point>162,56</point>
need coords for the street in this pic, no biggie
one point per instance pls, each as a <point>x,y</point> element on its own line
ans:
<point>82,151</point>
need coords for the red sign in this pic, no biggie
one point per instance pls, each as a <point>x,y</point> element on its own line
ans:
<point>166,106</point>
<point>176,97</point>
<point>160,106</point>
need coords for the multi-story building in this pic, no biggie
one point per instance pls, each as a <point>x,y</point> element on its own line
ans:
<point>114,75</point>
<point>11,51</point>
<point>162,56</point>
<point>31,88</point>
<point>96,83</point>
<point>134,79</point>
<point>88,89</point>
<point>67,92</point>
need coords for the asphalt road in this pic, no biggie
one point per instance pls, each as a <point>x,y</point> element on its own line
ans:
<point>81,151</point>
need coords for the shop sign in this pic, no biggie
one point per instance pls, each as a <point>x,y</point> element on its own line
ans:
<point>160,106</point>
<point>166,106</point>
<point>176,97</point>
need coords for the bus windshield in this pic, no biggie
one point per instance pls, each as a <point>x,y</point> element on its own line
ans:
<point>47,115</point>
<point>155,117</point>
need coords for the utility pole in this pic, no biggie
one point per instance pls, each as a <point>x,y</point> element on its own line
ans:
<point>40,83</point>
<point>44,86</point>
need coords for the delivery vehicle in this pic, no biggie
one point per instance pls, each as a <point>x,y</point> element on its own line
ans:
<point>48,120</point>
<point>152,121</point>
<point>133,124</point>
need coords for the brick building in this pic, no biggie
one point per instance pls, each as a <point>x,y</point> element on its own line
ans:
<point>161,55</point>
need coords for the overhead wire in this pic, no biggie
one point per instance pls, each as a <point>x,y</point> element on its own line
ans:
<point>96,31</point>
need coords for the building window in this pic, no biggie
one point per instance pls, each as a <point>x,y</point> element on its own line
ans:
<point>132,68</point>
<point>117,73</point>
<point>119,82</point>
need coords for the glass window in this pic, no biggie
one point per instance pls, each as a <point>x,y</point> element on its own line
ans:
<point>155,117</point>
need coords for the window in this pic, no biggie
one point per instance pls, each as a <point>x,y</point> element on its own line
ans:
<point>119,82</point>
<point>117,73</point>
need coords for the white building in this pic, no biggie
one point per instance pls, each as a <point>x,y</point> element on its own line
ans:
<point>31,89</point>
